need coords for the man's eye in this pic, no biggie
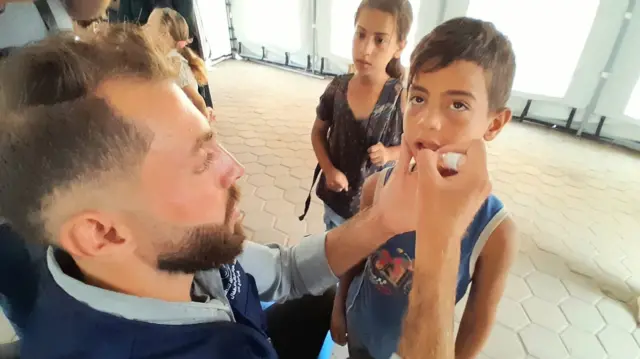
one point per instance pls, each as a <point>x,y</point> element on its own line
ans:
<point>207,163</point>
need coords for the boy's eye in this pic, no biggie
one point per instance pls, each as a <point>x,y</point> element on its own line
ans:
<point>416,100</point>
<point>459,106</point>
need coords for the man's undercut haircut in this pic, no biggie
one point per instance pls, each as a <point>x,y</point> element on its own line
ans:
<point>473,40</point>
<point>61,147</point>
<point>66,67</point>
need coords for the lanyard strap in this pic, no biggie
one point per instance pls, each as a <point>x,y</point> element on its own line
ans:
<point>47,16</point>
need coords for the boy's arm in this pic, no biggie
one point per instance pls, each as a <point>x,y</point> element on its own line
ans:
<point>488,285</point>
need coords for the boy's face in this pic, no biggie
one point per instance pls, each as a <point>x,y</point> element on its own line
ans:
<point>449,106</point>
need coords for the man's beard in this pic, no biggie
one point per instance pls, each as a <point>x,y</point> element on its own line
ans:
<point>207,247</point>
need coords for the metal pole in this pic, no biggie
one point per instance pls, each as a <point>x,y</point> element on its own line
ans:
<point>442,12</point>
<point>232,33</point>
<point>314,29</point>
<point>604,75</point>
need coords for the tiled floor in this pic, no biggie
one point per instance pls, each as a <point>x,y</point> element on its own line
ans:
<point>577,204</point>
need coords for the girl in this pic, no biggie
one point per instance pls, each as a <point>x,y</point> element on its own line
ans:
<point>172,27</point>
<point>359,120</point>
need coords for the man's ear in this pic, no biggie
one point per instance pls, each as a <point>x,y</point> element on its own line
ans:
<point>500,119</point>
<point>94,234</point>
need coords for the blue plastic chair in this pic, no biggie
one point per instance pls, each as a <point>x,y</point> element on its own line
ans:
<point>327,347</point>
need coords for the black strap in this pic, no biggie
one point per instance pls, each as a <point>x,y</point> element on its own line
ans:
<point>307,203</point>
<point>47,16</point>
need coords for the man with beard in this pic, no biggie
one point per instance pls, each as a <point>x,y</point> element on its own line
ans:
<point>124,178</point>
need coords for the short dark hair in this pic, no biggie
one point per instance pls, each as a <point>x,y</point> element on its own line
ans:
<point>57,137</point>
<point>470,40</point>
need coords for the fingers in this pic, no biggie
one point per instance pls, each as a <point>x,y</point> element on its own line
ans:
<point>404,161</point>
<point>376,148</point>
<point>427,165</point>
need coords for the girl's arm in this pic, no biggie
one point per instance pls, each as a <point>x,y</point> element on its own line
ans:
<point>195,97</point>
<point>489,281</point>
<point>339,305</point>
<point>320,145</point>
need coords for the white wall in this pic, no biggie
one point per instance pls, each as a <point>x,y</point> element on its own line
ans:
<point>562,46</point>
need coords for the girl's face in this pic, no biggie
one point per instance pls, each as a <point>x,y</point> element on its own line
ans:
<point>375,41</point>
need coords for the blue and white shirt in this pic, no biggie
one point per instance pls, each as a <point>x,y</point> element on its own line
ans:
<point>377,299</point>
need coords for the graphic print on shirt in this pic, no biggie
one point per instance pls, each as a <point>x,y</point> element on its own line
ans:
<point>231,280</point>
<point>390,272</point>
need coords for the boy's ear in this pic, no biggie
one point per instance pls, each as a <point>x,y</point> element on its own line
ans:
<point>500,119</point>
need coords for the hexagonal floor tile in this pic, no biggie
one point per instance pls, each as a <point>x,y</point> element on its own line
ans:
<point>511,314</point>
<point>618,343</point>
<point>269,160</point>
<point>292,162</point>
<point>582,316</point>
<point>522,266</point>
<point>253,168</point>
<point>296,195</point>
<point>257,221</point>
<point>286,182</point>
<point>270,235</point>
<point>582,345</point>
<point>277,170</point>
<point>583,288</point>
<point>301,172</point>
<point>503,343</point>
<point>269,192</point>
<point>516,288</point>
<point>545,314</point>
<point>260,180</point>
<point>280,207</point>
<point>292,226</point>
<point>246,158</point>
<point>543,343</point>
<point>251,204</point>
<point>617,314</point>
<point>547,287</point>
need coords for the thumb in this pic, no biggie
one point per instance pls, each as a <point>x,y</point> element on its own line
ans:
<point>427,164</point>
<point>404,161</point>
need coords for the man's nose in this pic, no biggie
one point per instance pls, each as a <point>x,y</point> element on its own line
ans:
<point>233,170</point>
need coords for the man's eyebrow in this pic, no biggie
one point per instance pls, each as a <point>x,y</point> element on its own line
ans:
<point>202,139</point>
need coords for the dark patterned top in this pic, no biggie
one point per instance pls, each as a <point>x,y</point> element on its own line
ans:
<point>350,139</point>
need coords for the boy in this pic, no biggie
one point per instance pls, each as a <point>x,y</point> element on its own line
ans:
<point>459,83</point>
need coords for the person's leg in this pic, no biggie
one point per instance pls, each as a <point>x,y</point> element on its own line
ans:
<point>298,327</point>
<point>331,218</point>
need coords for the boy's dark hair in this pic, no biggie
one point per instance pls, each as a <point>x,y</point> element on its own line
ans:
<point>473,40</point>
<point>403,13</point>
<point>61,147</point>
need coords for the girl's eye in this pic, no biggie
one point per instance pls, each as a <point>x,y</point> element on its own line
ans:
<point>416,100</point>
<point>207,163</point>
<point>459,106</point>
<point>379,40</point>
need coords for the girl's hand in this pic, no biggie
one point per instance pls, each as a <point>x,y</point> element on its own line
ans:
<point>337,181</point>
<point>338,323</point>
<point>210,116</point>
<point>379,154</point>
